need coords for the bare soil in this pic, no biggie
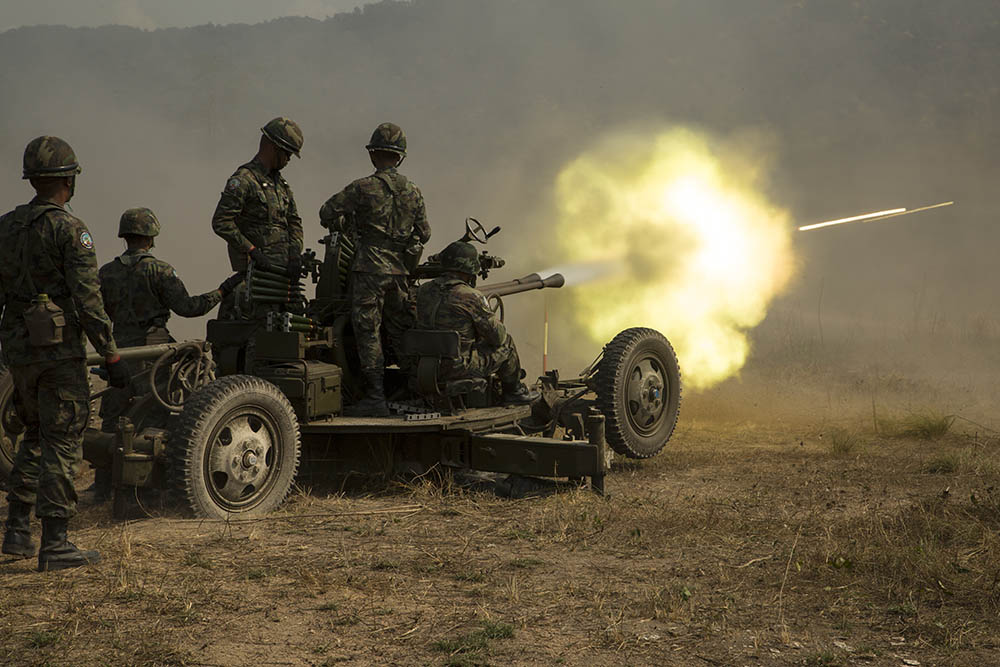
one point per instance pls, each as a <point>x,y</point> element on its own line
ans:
<point>751,540</point>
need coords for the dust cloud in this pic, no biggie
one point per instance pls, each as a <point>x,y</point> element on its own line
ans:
<point>866,105</point>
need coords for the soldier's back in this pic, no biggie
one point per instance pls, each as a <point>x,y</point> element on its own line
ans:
<point>40,244</point>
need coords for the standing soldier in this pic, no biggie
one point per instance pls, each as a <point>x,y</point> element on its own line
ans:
<point>385,211</point>
<point>139,293</point>
<point>256,214</point>
<point>51,305</point>
<point>450,302</point>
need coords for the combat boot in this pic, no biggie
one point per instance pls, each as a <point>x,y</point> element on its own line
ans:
<point>518,393</point>
<point>57,552</point>
<point>373,404</point>
<point>100,491</point>
<point>17,538</point>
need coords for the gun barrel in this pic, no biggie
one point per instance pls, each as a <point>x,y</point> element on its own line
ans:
<point>138,353</point>
<point>517,286</point>
<point>530,278</point>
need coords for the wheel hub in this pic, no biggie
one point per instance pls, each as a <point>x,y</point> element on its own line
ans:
<point>249,459</point>
<point>239,467</point>
<point>645,393</point>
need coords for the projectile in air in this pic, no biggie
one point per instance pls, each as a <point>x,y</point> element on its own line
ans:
<point>872,217</point>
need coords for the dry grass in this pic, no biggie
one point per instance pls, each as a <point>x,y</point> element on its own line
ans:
<point>739,545</point>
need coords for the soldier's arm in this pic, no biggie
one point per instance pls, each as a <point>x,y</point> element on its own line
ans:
<point>80,266</point>
<point>421,228</point>
<point>175,296</point>
<point>338,208</point>
<point>294,226</point>
<point>489,328</point>
<point>229,208</point>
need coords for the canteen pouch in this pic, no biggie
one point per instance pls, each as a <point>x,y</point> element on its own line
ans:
<point>45,321</point>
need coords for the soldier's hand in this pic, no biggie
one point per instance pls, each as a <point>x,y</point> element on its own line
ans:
<point>260,260</point>
<point>295,267</point>
<point>230,283</point>
<point>118,373</point>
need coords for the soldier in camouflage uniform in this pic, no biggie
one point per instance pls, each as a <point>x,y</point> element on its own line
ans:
<point>450,302</point>
<point>51,305</point>
<point>256,214</point>
<point>385,214</point>
<point>139,293</point>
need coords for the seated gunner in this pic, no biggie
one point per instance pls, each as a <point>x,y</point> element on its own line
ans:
<point>450,302</point>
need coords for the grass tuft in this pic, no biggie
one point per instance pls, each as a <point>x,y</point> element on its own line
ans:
<point>472,648</point>
<point>42,639</point>
<point>844,442</point>
<point>926,425</point>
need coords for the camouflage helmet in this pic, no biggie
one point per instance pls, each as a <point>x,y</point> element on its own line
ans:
<point>49,157</point>
<point>285,134</point>
<point>138,222</point>
<point>388,137</point>
<point>460,256</point>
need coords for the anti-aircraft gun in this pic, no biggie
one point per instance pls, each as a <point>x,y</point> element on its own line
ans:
<point>224,422</point>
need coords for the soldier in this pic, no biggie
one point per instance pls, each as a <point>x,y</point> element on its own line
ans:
<point>450,302</point>
<point>385,212</point>
<point>256,214</point>
<point>51,305</point>
<point>139,293</point>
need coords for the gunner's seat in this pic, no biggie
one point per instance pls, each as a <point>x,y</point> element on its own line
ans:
<point>431,347</point>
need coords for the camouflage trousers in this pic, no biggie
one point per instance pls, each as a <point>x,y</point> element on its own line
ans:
<point>500,361</point>
<point>52,399</point>
<point>379,299</point>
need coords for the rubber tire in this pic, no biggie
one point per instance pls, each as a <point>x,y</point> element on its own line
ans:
<point>8,446</point>
<point>203,415</point>
<point>620,356</point>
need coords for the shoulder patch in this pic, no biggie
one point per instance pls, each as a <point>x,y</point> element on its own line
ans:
<point>233,184</point>
<point>87,241</point>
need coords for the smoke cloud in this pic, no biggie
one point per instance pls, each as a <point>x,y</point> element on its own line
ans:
<point>701,251</point>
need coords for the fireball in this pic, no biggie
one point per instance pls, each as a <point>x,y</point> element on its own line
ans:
<point>700,250</point>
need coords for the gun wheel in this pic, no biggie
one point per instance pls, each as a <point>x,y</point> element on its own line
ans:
<point>638,385</point>
<point>234,449</point>
<point>11,428</point>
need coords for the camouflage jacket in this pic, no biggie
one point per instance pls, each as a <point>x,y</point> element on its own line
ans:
<point>385,215</point>
<point>140,291</point>
<point>447,302</point>
<point>46,249</point>
<point>257,209</point>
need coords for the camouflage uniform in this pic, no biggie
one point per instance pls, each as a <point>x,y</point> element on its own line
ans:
<point>385,213</point>
<point>257,210</point>
<point>448,302</point>
<point>139,293</point>
<point>45,249</point>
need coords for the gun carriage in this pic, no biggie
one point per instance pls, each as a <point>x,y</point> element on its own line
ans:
<point>227,423</point>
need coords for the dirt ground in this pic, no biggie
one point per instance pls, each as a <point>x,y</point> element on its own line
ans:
<point>786,524</point>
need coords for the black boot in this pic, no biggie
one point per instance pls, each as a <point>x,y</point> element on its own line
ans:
<point>100,490</point>
<point>17,538</point>
<point>57,552</point>
<point>373,404</point>
<point>518,393</point>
